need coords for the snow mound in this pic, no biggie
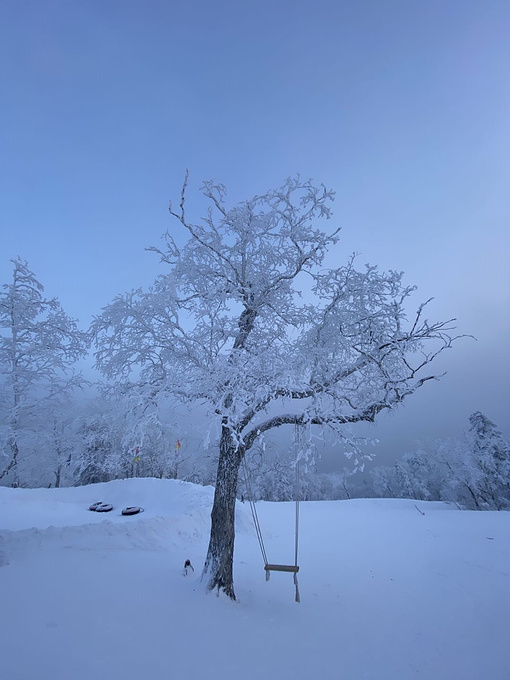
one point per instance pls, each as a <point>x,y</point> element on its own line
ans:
<point>43,519</point>
<point>43,508</point>
<point>175,515</point>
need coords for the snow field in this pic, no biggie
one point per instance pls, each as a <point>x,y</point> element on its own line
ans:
<point>387,593</point>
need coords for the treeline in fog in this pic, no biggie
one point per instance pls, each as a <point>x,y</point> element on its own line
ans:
<point>58,429</point>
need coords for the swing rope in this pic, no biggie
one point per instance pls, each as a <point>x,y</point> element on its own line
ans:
<point>296,531</point>
<point>254,514</point>
<point>267,566</point>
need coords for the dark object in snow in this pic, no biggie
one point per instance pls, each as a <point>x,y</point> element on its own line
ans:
<point>104,507</point>
<point>132,510</point>
<point>95,506</point>
<point>188,568</point>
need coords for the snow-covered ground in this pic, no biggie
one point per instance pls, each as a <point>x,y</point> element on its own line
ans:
<point>386,591</point>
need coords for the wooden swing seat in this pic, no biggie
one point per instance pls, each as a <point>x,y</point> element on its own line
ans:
<point>291,568</point>
<point>282,567</point>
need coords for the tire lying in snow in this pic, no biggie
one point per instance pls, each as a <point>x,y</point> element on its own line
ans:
<point>95,506</point>
<point>132,510</point>
<point>104,507</point>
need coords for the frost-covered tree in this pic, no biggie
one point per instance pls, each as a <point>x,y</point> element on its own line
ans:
<point>39,344</point>
<point>384,482</point>
<point>404,483</point>
<point>97,457</point>
<point>119,434</point>
<point>109,437</point>
<point>490,454</point>
<point>472,470</point>
<point>62,445</point>
<point>269,474</point>
<point>247,321</point>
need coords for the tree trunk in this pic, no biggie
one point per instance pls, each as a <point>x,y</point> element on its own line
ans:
<point>218,568</point>
<point>13,462</point>
<point>473,496</point>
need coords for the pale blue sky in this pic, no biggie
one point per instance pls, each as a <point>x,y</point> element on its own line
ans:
<point>402,107</point>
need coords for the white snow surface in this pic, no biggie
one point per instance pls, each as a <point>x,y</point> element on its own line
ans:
<point>387,593</point>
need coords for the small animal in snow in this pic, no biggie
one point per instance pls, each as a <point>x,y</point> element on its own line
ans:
<point>188,568</point>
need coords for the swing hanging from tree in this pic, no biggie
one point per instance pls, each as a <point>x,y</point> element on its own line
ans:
<point>269,567</point>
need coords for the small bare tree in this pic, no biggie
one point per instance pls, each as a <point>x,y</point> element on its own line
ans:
<point>247,321</point>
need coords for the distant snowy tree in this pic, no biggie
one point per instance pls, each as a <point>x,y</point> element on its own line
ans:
<point>249,322</point>
<point>120,435</point>
<point>270,474</point>
<point>403,481</point>
<point>426,476</point>
<point>39,344</point>
<point>472,470</point>
<point>490,453</point>
<point>62,445</point>
<point>384,482</point>
<point>342,483</point>
<point>410,477</point>
<point>98,458</point>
